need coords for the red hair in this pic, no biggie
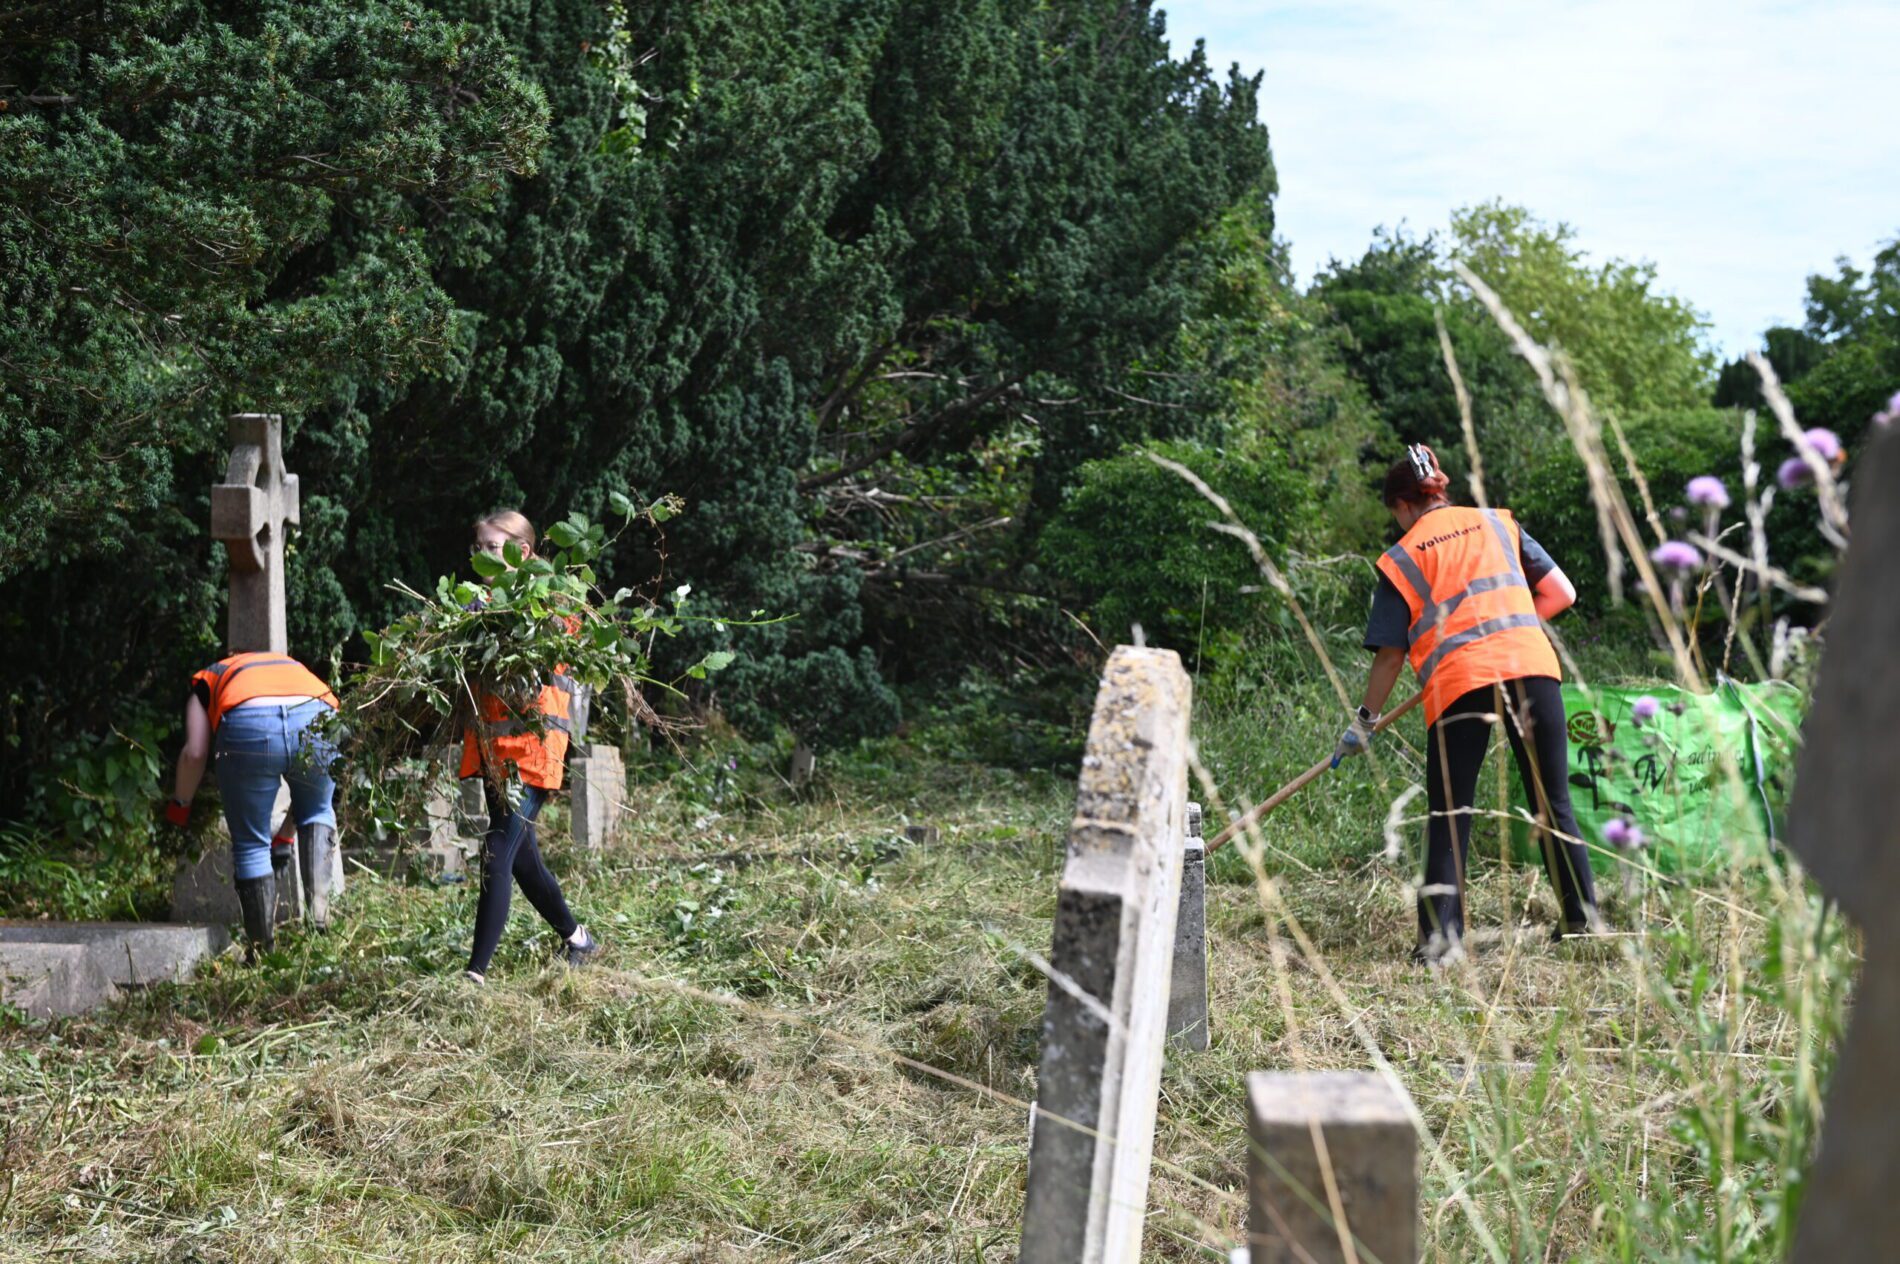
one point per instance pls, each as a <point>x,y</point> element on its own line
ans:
<point>1416,477</point>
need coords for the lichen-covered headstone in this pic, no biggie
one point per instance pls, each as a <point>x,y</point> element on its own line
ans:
<point>1844,823</point>
<point>1112,955</point>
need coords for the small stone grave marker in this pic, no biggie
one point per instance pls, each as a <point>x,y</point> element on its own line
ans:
<point>597,802</point>
<point>1316,1134</point>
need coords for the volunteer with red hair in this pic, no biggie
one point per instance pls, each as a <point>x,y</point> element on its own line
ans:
<point>1463,595</point>
<point>255,713</point>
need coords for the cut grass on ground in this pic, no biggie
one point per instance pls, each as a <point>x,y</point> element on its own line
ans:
<point>811,1040</point>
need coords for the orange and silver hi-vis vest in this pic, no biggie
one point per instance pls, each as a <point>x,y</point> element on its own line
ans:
<point>1474,623</point>
<point>539,758</point>
<point>241,677</point>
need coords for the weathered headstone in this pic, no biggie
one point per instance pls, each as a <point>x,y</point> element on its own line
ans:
<point>597,802</point>
<point>455,817</point>
<point>804,765</point>
<point>52,980</point>
<point>130,954</point>
<point>1315,1135</point>
<point>1844,823</point>
<point>1103,1031</point>
<point>1187,990</point>
<point>250,510</point>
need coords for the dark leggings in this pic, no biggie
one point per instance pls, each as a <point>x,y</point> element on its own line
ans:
<point>511,852</point>
<point>1533,707</point>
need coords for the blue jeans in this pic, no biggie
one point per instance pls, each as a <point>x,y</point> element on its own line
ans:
<point>258,747</point>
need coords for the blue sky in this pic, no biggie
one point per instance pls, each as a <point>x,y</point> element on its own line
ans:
<point>1739,146</point>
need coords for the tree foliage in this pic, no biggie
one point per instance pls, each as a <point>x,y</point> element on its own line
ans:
<point>1633,346</point>
<point>777,258</point>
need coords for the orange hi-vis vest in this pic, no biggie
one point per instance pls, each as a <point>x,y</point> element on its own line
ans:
<point>1474,623</point>
<point>241,677</point>
<point>539,758</point>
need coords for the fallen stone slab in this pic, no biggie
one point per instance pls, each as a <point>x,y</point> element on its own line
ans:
<point>52,980</point>
<point>130,954</point>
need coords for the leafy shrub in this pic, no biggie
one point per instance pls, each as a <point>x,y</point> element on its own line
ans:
<point>1671,448</point>
<point>102,790</point>
<point>1132,541</point>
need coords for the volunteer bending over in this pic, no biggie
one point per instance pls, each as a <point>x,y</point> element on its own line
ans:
<point>1463,595</point>
<point>255,712</point>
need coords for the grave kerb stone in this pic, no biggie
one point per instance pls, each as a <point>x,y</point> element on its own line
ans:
<point>130,954</point>
<point>1187,988</point>
<point>1105,1025</point>
<point>52,980</point>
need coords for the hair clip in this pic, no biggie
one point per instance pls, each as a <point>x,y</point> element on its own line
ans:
<point>1423,464</point>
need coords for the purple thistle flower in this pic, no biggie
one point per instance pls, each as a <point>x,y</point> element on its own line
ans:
<point>1644,708</point>
<point>1825,442</point>
<point>1708,491</point>
<point>1892,413</point>
<point>1622,834</point>
<point>1675,555</point>
<point>1794,473</point>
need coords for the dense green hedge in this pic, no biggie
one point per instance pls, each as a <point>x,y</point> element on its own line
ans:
<point>1133,541</point>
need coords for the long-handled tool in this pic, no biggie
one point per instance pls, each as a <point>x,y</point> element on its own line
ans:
<point>1292,787</point>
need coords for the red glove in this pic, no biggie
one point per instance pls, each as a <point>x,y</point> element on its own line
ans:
<point>177,813</point>
<point>280,851</point>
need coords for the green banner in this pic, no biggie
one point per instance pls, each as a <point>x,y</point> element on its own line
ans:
<point>1703,772</point>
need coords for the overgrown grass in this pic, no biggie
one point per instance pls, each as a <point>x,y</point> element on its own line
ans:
<point>814,1040</point>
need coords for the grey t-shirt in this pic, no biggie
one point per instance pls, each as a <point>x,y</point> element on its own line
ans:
<point>1391,618</point>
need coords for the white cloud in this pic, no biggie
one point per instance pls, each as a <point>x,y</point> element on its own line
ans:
<point>1740,146</point>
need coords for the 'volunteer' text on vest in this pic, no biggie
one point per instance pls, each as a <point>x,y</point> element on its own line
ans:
<point>1474,621</point>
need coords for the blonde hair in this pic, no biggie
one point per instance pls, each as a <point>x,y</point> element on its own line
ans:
<point>512,523</point>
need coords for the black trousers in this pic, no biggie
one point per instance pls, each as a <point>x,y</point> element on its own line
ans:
<point>1532,709</point>
<point>511,854</point>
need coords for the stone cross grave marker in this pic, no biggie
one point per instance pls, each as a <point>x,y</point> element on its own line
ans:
<point>1844,823</point>
<point>1092,1131</point>
<point>249,511</point>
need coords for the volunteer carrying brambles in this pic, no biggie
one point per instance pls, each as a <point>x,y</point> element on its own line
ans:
<point>503,750</point>
<point>255,712</point>
<point>1463,594</point>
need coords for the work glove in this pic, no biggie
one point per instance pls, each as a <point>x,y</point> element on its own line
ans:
<point>280,852</point>
<point>1357,739</point>
<point>177,813</point>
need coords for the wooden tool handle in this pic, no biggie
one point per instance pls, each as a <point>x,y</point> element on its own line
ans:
<point>1294,786</point>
